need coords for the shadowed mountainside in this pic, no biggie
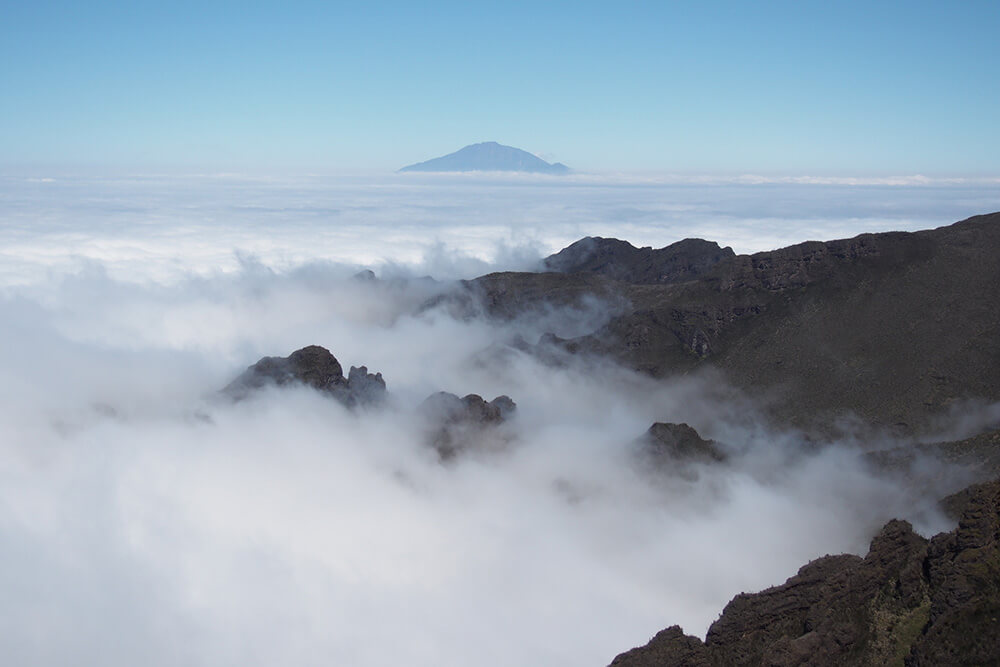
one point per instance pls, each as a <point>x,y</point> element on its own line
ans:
<point>895,327</point>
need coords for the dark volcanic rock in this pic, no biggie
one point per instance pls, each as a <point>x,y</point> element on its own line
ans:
<point>471,408</point>
<point>362,387</point>
<point>316,367</point>
<point>457,423</point>
<point>620,260</point>
<point>909,601</point>
<point>668,648</point>
<point>312,365</point>
<point>894,327</point>
<point>963,568</point>
<point>954,505</point>
<point>669,442</point>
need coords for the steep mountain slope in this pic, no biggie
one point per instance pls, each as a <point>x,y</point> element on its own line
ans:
<point>893,327</point>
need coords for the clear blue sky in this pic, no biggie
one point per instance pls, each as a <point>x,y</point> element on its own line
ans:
<point>786,87</point>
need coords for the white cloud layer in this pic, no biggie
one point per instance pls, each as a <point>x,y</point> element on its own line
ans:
<point>145,521</point>
<point>161,228</point>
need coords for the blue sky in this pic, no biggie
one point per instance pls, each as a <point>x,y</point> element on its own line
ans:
<point>796,87</point>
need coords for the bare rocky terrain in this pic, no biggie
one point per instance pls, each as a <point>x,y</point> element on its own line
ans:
<point>893,328</point>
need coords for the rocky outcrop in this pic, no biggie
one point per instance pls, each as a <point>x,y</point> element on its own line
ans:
<point>362,387</point>
<point>620,260</point>
<point>963,571</point>
<point>471,408</point>
<point>668,443</point>
<point>676,450</point>
<point>910,602</point>
<point>454,424</point>
<point>316,367</point>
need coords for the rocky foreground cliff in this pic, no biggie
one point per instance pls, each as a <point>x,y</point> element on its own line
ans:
<point>910,601</point>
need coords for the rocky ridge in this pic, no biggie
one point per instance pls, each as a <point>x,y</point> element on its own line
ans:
<point>894,328</point>
<point>620,260</point>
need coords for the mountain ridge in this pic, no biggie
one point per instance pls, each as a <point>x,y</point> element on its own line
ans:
<point>894,328</point>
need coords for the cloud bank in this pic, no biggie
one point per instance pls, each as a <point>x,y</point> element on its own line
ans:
<point>143,519</point>
<point>160,228</point>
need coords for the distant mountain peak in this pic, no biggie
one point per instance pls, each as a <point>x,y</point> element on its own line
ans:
<point>489,156</point>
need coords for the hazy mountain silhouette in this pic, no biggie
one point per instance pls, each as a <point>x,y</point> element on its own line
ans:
<point>489,156</point>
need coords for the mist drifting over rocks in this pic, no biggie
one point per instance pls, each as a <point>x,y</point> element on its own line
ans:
<point>147,520</point>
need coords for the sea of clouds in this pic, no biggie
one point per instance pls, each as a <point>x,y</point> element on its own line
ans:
<point>146,520</point>
<point>165,227</point>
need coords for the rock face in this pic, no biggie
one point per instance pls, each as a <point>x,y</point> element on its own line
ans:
<point>455,424</point>
<point>315,367</point>
<point>667,444</point>
<point>489,156</point>
<point>620,260</point>
<point>894,327</point>
<point>910,602</point>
